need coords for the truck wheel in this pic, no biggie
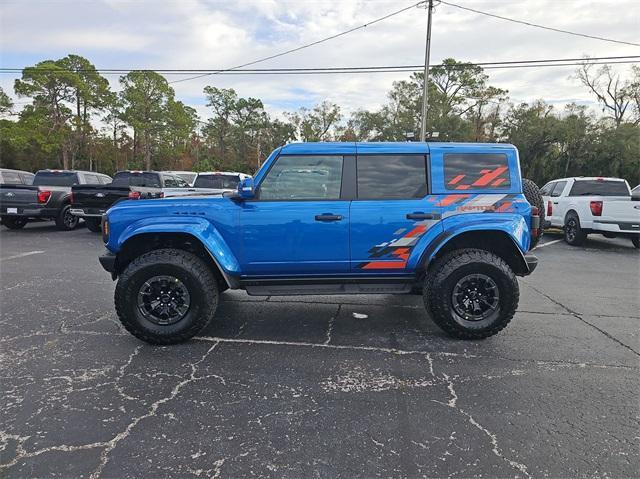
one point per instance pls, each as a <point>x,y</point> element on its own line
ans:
<point>533,196</point>
<point>573,233</point>
<point>636,241</point>
<point>65,221</point>
<point>471,293</point>
<point>14,223</point>
<point>93,225</point>
<point>166,296</point>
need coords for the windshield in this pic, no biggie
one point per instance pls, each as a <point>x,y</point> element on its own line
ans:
<point>136,178</point>
<point>220,182</point>
<point>599,188</point>
<point>55,178</point>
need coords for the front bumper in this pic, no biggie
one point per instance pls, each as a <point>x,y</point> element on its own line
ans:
<point>108,262</point>
<point>532,262</point>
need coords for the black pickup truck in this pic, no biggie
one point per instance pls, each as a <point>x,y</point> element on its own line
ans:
<point>48,198</point>
<point>91,202</point>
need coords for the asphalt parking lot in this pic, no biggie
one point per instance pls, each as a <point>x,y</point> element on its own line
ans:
<point>350,386</point>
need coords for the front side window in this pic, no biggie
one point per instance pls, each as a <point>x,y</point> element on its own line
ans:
<point>303,178</point>
<point>546,189</point>
<point>91,179</point>
<point>469,171</point>
<point>391,176</point>
<point>557,190</point>
<point>170,182</point>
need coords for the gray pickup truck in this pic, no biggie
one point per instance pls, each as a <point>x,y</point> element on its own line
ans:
<point>48,198</point>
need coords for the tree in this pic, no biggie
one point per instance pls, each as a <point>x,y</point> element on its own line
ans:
<point>145,96</point>
<point>316,124</point>
<point>223,102</point>
<point>51,86</point>
<point>612,93</point>
<point>90,92</point>
<point>6,105</point>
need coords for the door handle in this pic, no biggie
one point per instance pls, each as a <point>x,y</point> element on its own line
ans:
<point>419,216</point>
<point>555,202</point>
<point>328,217</point>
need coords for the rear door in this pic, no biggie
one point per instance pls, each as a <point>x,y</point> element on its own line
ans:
<point>391,212</point>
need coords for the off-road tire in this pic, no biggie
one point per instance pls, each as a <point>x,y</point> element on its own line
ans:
<point>533,196</point>
<point>14,223</point>
<point>192,271</point>
<point>64,221</point>
<point>574,235</point>
<point>93,225</point>
<point>451,268</point>
<point>636,242</point>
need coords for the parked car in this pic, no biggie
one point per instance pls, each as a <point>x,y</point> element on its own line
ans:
<point>48,198</point>
<point>188,176</point>
<point>15,177</point>
<point>586,205</point>
<point>91,201</point>
<point>448,221</point>
<point>218,182</point>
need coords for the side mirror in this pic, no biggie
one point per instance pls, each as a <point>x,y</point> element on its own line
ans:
<point>245,189</point>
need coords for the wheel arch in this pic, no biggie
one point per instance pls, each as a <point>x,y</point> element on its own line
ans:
<point>140,243</point>
<point>496,241</point>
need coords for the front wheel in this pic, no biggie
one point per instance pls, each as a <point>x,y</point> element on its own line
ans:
<point>471,293</point>
<point>636,241</point>
<point>166,296</point>
<point>14,222</point>
<point>65,221</point>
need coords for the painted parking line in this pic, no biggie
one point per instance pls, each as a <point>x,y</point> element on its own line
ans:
<point>549,243</point>
<point>21,255</point>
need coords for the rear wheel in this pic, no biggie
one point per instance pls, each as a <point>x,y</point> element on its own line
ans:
<point>166,296</point>
<point>93,225</point>
<point>573,233</point>
<point>14,222</point>
<point>533,196</point>
<point>471,293</point>
<point>65,221</point>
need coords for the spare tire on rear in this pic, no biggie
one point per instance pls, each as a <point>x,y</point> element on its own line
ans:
<point>533,196</point>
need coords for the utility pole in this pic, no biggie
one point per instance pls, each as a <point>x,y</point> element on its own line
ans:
<point>425,89</point>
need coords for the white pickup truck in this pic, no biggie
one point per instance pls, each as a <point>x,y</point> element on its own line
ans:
<point>584,205</point>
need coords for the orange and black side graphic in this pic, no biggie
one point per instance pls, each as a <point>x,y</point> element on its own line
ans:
<point>498,178</point>
<point>394,254</point>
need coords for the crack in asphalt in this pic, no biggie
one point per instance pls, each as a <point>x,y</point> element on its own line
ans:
<point>578,316</point>
<point>330,325</point>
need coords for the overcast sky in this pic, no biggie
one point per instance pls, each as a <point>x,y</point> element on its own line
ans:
<point>219,34</point>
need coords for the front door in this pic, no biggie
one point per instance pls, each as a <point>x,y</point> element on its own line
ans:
<point>391,214</point>
<point>298,222</point>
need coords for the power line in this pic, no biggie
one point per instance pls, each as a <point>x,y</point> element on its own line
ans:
<point>530,24</point>
<point>377,20</point>
<point>370,69</point>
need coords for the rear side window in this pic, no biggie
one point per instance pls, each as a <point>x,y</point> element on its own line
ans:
<point>599,188</point>
<point>55,178</point>
<point>558,189</point>
<point>129,178</point>
<point>222,182</point>
<point>471,171</point>
<point>391,176</point>
<point>303,178</point>
<point>10,178</point>
<point>91,179</point>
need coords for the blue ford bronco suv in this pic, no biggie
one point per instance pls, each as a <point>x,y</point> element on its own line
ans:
<point>445,220</point>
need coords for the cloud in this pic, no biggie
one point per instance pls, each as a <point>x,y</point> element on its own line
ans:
<point>201,34</point>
